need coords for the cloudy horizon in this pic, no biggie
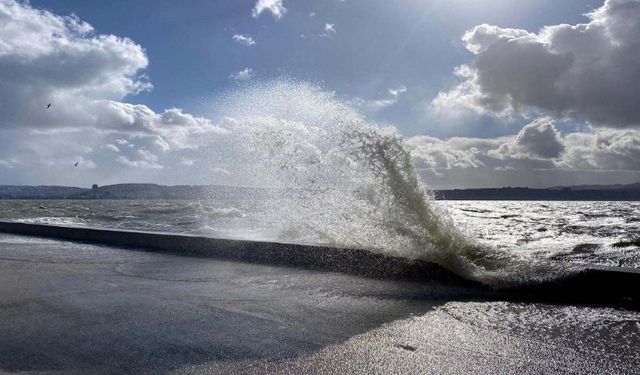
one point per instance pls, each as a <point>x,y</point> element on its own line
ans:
<point>499,94</point>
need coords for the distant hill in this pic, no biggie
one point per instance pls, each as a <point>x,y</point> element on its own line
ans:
<point>39,192</point>
<point>634,186</point>
<point>126,191</point>
<point>630,192</point>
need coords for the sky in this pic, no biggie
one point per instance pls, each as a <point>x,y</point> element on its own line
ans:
<point>486,93</point>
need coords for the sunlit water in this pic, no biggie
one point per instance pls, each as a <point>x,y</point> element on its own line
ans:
<point>603,233</point>
<point>579,232</point>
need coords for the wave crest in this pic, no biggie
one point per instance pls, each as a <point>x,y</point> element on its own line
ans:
<point>342,180</point>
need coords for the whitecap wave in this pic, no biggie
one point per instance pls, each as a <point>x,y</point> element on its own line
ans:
<point>346,181</point>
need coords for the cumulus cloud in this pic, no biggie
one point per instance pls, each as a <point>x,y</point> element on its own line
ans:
<point>454,153</point>
<point>220,171</point>
<point>329,30</point>
<point>539,139</point>
<point>243,75</point>
<point>47,58</point>
<point>244,40</point>
<point>187,162</point>
<point>538,146</point>
<point>6,164</point>
<point>392,98</point>
<point>396,92</point>
<point>112,147</point>
<point>274,6</point>
<point>603,149</point>
<point>144,160</point>
<point>582,71</point>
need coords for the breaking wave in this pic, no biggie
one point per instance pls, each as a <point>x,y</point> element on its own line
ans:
<point>339,179</point>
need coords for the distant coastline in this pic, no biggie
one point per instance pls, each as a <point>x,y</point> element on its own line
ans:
<point>549,194</point>
<point>124,191</point>
<point>629,192</point>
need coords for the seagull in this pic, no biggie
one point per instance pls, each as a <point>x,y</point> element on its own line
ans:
<point>48,105</point>
<point>76,164</point>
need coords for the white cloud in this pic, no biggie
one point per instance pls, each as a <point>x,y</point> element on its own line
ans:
<point>112,147</point>
<point>454,153</point>
<point>603,149</point>
<point>398,91</point>
<point>393,95</point>
<point>144,159</point>
<point>580,71</point>
<point>6,164</point>
<point>219,171</point>
<point>274,6</point>
<point>538,146</point>
<point>244,40</point>
<point>329,30</point>
<point>142,164</point>
<point>243,75</point>
<point>47,58</point>
<point>539,139</point>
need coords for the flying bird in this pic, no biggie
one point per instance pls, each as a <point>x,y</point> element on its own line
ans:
<point>76,164</point>
<point>48,105</point>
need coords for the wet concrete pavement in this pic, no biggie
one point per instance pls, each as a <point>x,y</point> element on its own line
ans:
<point>69,307</point>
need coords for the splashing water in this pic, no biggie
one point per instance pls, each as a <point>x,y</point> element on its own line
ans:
<point>341,180</point>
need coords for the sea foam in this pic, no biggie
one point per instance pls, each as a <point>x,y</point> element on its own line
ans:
<point>340,179</point>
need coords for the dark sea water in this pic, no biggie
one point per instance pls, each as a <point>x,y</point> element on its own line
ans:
<point>603,233</point>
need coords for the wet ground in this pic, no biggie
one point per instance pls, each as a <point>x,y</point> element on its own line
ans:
<point>75,308</point>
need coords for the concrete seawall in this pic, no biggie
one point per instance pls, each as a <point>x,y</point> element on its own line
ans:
<point>597,285</point>
<point>313,257</point>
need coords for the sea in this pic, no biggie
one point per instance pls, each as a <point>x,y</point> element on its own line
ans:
<point>582,233</point>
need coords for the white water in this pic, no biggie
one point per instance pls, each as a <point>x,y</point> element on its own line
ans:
<point>348,182</point>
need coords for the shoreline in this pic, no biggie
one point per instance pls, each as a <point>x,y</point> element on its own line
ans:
<point>592,286</point>
<point>307,256</point>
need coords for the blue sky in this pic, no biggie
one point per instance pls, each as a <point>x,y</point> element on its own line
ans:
<point>485,93</point>
<point>378,45</point>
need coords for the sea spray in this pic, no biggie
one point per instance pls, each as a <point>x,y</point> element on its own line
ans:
<point>338,179</point>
